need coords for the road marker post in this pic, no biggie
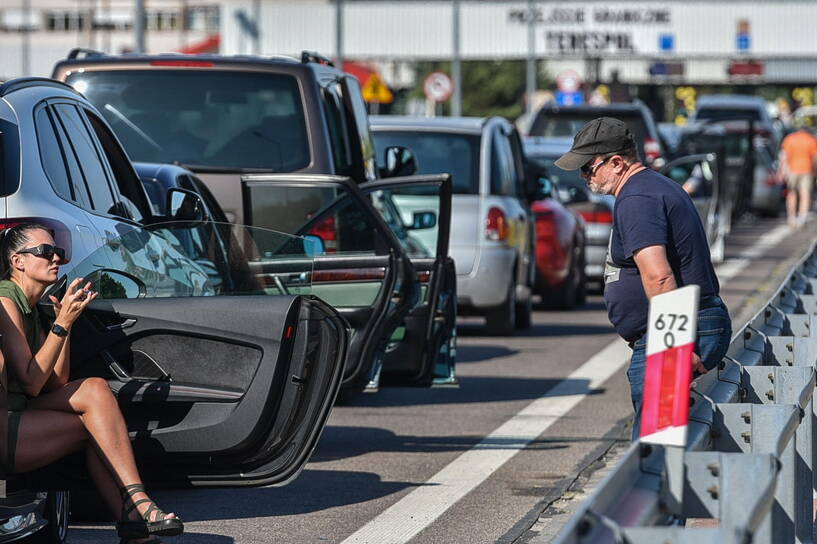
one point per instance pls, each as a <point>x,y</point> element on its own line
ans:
<point>671,334</point>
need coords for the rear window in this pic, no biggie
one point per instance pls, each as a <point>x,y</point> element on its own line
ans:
<point>727,114</point>
<point>564,179</point>
<point>203,118</point>
<point>438,153</point>
<point>566,123</point>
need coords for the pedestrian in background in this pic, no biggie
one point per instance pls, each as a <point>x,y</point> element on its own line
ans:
<point>658,243</point>
<point>798,157</point>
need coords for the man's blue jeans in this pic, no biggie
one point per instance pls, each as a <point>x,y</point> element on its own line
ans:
<point>714,334</point>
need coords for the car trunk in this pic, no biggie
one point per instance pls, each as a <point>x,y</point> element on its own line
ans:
<point>466,229</point>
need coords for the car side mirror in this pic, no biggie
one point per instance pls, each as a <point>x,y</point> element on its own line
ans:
<point>313,245</point>
<point>545,188</point>
<point>185,205</point>
<point>399,161</point>
<point>423,220</point>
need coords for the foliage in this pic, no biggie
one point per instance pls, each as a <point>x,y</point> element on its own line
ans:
<point>488,87</point>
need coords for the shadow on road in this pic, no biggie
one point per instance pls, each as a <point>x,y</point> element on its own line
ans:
<point>312,491</point>
<point>550,329</point>
<point>87,535</point>
<point>345,442</point>
<point>476,354</point>
<point>472,389</point>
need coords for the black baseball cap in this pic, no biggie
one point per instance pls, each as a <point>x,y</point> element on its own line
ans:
<point>599,136</point>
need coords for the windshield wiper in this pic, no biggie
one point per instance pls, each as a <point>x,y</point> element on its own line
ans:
<point>133,126</point>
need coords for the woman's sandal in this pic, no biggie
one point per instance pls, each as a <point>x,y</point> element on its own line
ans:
<point>128,529</point>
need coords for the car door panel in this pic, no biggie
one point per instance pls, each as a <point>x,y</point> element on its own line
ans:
<point>216,390</point>
<point>361,270</point>
<point>422,351</point>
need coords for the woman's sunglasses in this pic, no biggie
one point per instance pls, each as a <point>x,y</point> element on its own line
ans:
<point>46,251</point>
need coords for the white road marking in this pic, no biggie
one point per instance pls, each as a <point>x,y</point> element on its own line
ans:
<point>407,517</point>
<point>414,512</point>
<point>732,267</point>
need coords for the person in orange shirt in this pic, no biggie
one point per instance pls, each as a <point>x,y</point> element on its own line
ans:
<point>798,157</point>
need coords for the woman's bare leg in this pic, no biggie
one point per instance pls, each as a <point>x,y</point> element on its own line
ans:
<point>91,399</point>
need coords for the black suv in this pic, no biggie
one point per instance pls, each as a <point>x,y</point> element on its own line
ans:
<point>284,143</point>
<point>554,121</point>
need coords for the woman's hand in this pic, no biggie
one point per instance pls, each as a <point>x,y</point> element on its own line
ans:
<point>73,303</point>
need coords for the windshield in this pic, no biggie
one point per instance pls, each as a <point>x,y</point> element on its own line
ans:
<point>566,123</point>
<point>727,114</point>
<point>438,153</point>
<point>203,118</point>
<point>564,179</point>
<point>194,259</point>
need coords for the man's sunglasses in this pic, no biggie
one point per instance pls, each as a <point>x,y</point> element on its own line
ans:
<point>589,169</point>
<point>46,251</point>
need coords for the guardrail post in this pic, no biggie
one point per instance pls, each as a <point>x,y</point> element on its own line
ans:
<point>757,428</point>
<point>785,385</point>
<point>735,488</point>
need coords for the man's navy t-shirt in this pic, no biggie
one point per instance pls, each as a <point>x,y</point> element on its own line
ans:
<point>653,210</point>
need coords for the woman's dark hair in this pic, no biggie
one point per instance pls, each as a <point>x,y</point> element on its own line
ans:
<point>13,240</point>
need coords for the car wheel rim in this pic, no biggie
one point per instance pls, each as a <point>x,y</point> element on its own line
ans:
<point>61,514</point>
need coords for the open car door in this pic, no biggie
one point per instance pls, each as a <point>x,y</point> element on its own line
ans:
<point>417,209</point>
<point>360,267</point>
<point>225,373</point>
<point>699,176</point>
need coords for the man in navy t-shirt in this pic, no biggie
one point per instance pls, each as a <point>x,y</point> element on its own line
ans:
<point>658,243</point>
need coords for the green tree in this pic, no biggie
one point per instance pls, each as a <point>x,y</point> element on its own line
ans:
<point>489,87</point>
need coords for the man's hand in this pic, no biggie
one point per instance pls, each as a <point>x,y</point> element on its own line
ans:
<point>697,365</point>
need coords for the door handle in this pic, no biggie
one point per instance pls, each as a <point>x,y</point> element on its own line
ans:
<point>126,324</point>
<point>114,367</point>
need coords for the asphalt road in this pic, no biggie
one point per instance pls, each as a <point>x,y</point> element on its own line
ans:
<point>479,463</point>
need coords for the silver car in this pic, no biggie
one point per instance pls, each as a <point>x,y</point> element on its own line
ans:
<point>63,167</point>
<point>491,225</point>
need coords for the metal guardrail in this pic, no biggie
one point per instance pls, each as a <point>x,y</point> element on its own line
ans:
<point>749,461</point>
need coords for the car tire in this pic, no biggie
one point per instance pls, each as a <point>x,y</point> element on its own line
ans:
<point>501,321</point>
<point>581,291</point>
<point>524,313</point>
<point>565,297</point>
<point>56,512</point>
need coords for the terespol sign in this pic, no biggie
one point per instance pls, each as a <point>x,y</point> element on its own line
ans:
<point>593,30</point>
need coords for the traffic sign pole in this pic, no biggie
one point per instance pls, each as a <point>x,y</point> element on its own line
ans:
<point>671,334</point>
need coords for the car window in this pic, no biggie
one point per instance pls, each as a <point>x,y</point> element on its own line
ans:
<point>351,88</point>
<point>52,154</point>
<point>565,123</point>
<point>181,259</point>
<point>93,170</point>
<point>333,107</point>
<point>503,171</point>
<point>208,118</point>
<point>9,157</point>
<point>412,213</point>
<point>727,114</point>
<point>438,153</point>
<point>331,214</point>
<point>130,190</point>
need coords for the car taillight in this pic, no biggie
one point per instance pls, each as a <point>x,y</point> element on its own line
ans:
<point>61,233</point>
<point>597,216</point>
<point>652,150</point>
<point>496,225</point>
<point>545,225</point>
<point>328,232</point>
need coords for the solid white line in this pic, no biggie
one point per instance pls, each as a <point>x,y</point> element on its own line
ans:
<point>414,512</point>
<point>732,267</point>
<point>407,517</point>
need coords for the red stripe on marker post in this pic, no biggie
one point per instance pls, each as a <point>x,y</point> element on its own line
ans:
<point>670,345</point>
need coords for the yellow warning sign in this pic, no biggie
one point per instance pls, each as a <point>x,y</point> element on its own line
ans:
<point>374,90</point>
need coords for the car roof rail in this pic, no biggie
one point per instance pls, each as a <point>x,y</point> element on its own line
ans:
<point>24,82</point>
<point>86,52</point>
<point>312,56</point>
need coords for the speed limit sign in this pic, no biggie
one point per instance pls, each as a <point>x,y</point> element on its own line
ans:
<point>438,87</point>
<point>671,333</point>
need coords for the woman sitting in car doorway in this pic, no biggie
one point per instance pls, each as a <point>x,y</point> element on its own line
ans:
<point>49,416</point>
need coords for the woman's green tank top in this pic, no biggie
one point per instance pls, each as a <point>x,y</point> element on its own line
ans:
<point>33,331</point>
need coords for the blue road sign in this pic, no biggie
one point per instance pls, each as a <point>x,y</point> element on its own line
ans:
<point>666,42</point>
<point>744,41</point>
<point>569,99</point>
